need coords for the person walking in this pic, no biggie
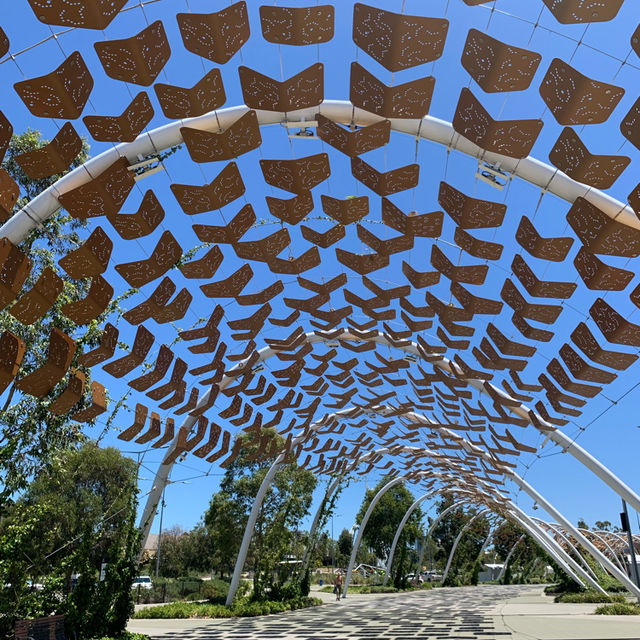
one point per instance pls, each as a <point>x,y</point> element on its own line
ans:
<point>337,585</point>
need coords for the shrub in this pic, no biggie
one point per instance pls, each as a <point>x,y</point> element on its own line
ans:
<point>125,635</point>
<point>589,596</point>
<point>619,609</point>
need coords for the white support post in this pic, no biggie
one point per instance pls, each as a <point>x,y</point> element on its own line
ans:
<point>363,524</point>
<point>506,560</point>
<point>457,540</point>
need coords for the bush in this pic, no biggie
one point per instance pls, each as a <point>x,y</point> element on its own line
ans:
<point>589,596</point>
<point>125,635</point>
<point>242,608</point>
<point>619,609</point>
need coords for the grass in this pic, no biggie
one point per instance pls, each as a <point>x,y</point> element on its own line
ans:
<point>125,635</point>
<point>242,608</point>
<point>589,596</point>
<point>619,609</point>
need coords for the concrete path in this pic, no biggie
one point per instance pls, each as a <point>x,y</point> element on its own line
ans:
<point>490,612</point>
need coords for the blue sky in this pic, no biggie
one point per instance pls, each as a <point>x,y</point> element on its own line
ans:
<point>613,436</point>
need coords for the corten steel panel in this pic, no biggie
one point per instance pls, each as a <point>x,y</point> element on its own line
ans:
<point>104,195</point>
<point>474,274</point>
<point>166,253</point>
<point>386,247</point>
<point>581,370</point>
<point>240,137</point>
<point>226,187</point>
<point>419,279</point>
<point>470,213</point>
<point>291,210</point>
<point>157,301</point>
<point>384,184</point>
<point>482,249</point>
<point>123,128</point>
<point>97,406</point>
<point>426,225</point>
<point>353,143</point>
<point>297,25</point>
<point>264,249</point>
<point>89,308</point>
<point>89,259</point>
<point>305,89</point>
<point>630,125</point>
<point>539,288</point>
<point>398,41</point>
<point>6,131</point>
<point>138,59</point>
<point>204,267</point>
<point>41,382</point>
<point>205,95</point>
<point>533,333</point>
<point>513,138</point>
<point>141,346</point>
<point>573,98</point>
<point>599,276</point>
<point>14,269</point>
<point>635,40</point>
<point>71,395</point>
<point>104,351</point>
<point>4,42</point>
<point>362,263</point>
<point>570,155</point>
<point>325,239</point>
<point>409,100</point>
<point>231,232</point>
<point>87,14</point>
<point>296,176</point>
<point>39,299</point>
<point>260,297</point>
<point>63,93</point>
<point>9,193</point>
<point>497,66</point>
<point>507,346</point>
<point>345,211</point>
<point>309,259</point>
<point>601,234</point>
<point>554,249</point>
<point>12,351</point>
<point>634,200</point>
<point>575,11</point>
<point>54,157</point>
<point>613,326</point>
<point>216,36</point>
<point>141,223</point>
<point>587,343</point>
<point>545,313</point>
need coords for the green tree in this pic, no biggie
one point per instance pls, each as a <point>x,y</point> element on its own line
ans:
<point>383,522</point>
<point>285,504</point>
<point>77,514</point>
<point>344,547</point>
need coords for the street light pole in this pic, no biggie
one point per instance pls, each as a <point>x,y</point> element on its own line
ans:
<point>159,535</point>
<point>333,549</point>
<point>632,551</point>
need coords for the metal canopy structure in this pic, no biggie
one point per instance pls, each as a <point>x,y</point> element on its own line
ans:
<point>428,281</point>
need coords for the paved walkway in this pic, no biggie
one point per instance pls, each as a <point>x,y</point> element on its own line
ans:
<point>489,612</point>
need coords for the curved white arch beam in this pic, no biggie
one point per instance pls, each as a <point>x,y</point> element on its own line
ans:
<point>614,557</point>
<point>605,474</point>
<point>467,524</point>
<point>506,560</point>
<point>399,529</point>
<point>530,169</point>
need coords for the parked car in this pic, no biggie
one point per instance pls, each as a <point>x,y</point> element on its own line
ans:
<point>144,582</point>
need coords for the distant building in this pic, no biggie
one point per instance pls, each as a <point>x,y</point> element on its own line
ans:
<point>489,572</point>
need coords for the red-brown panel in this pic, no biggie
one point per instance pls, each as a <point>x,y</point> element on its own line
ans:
<point>6,131</point>
<point>216,36</point>
<point>630,125</point>
<point>63,93</point>
<point>12,351</point>
<point>226,187</point>
<point>141,223</point>
<point>362,263</point>
<point>231,232</point>
<point>545,313</point>
<point>398,41</point>
<point>613,326</point>
<point>264,249</point>
<point>291,210</point>
<point>554,249</point>
<point>601,234</point>
<point>102,196</point>
<point>141,345</point>
<point>576,99</point>
<point>138,59</point>
<point>9,193</point>
<point>353,143</point>
<point>384,247</point>
<point>39,299</point>
<point>297,25</point>
<point>474,274</point>
<point>513,138</point>
<point>299,175</point>
<point>470,213</point>
<point>89,259</point>
<point>304,90</point>
<point>426,225</point>
<point>104,351</point>
<point>240,137</point>
<point>4,42</point>
<point>89,308</point>
<point>86,14</point>
<point>578,11</point>
<point>346,211</point>
<point>497,66</point>
<point>326,239</point>
<point>540,288</point>
<point>409,100</point>
<point>123,128</point>
<point>179,102</point>
<point>54,157</point>
<point>570,155</point>
<point>599,276</point>
<point>384,184</point>
<point>482,249</point>
<point>584,340</point>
